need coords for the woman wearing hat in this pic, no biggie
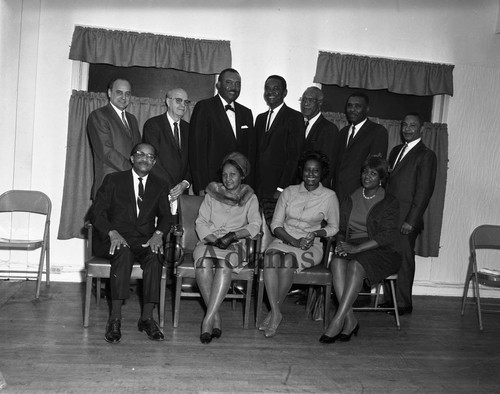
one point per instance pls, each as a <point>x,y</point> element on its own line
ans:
<point>228,214</point>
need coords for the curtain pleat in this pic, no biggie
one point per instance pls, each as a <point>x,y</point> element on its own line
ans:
<point>435,137</point>
<point>127,49</point>
<point>398,76</point>
<point>79,171</point>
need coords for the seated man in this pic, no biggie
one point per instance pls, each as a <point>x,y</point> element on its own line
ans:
<point>124,213</point>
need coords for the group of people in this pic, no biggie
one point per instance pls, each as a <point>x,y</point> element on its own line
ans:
<point>306,178</point>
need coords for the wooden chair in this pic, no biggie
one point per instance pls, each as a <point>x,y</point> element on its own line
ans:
<point>33,202</point>
<point>375,308</point>
<point>318,275</point>
<point>184,266</point>
<point>483,237</point>
<point>99,267</point>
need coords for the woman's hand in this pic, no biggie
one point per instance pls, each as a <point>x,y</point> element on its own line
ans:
<point>345,248</point>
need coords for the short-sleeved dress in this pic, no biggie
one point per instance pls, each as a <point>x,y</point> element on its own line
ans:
<point>363,219</point>
<point>300,212</point>
<point>219,215</point>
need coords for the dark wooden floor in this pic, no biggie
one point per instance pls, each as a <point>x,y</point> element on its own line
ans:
<point>44,348</point>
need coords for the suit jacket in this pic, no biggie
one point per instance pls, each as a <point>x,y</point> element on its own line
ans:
<point>111,142</point>
<point>372,138</point>
<point>114,208</point>
<point>278,150</point>
<point>324,136</point>
<point>211,137</point>
<point>412,182</point>
<point>172,163</point>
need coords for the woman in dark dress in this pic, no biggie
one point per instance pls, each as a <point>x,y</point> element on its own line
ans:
<point>367,245</point>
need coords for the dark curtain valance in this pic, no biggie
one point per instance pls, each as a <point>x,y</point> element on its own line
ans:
<point>398,76</point>
<point>127,49</point>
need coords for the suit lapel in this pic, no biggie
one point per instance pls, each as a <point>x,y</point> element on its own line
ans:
<point>131,195</point>
<point>223,116</point>
<point>169,135</point>
<point>409,157</point>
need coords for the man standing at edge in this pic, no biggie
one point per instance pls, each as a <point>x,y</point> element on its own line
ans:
<point>131,214</point>
<point>219,125</point>
<point>112,132</point>
<point>412,179</point>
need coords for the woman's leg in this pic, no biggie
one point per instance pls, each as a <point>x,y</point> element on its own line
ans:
<point>220,285</point>
<point>347,289</point>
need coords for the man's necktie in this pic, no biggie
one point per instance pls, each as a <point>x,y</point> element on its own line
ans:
<point>125,123</point>
<point>228,107</point>
<point>307,124</point>
<point>269,120</point>
<point>400,156</point>
<point>140,195</point>
<point>351,136</point>
<point>176,135</point>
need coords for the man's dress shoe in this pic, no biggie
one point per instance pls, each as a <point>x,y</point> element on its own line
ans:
<point>216,333</point>
<point>113,333</point>
<point>206,337</point>
<point>151,328</point>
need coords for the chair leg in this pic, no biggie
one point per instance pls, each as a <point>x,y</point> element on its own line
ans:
<point>248,300</point>
<point>88,293</point>
<point>395,303</point>
<point>98,292</point>
<point>177,305</point>
<point>328,299</point>
<point>478,301</point>
<point>40,272</point>
<point>466,286</point>
<point>47,264</point>
<point>163,291</point>
<point>309,304</point>
<point>260,298</point>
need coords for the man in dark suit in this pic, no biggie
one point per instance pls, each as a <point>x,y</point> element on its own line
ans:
<point>321,135</point>
<point>413,175</point>
<point>131,214</point>
<point>169,135</point>
<point>112,132</point>
<point>358,140</point>
<point>280,137</point>
<point>219,126</point>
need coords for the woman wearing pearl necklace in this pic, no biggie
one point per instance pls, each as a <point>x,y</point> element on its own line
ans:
<point>367,245</point>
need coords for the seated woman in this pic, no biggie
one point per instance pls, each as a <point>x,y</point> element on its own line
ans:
<point>367,245</point>
<point>296,223</point>
<point>228,214</point>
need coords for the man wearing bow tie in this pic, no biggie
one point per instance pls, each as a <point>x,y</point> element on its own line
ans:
<point>219,126</point>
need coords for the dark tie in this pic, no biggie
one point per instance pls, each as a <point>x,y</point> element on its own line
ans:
<point>269,120</point>
<point>351,136</point>
<point>176,135</point>
<point>228,107</point>
<point>307,124</point>
<point>140,194</point>
<point>125,123</point>
<point>400,156</point>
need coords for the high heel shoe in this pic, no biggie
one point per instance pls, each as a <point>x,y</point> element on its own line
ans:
<point>265,322</point>
<point>326,339</point>
<point>347,337</point>
<point>216,333</point>
<point>271,329</point>
<point>206,337</point>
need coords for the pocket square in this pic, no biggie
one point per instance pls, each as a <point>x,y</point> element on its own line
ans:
<point>244,126</point>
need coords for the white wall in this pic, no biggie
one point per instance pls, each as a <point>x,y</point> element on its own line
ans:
<point>267,37</point>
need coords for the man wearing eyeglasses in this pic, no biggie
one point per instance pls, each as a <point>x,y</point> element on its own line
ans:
<point>321,134</point>
<point>131,214</point>
<point>169,135</point>
<point>219,126</point>
<point>112,132</point>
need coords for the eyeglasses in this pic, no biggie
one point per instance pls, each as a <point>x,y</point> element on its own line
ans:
<point>142,155</point>
<point>180,101</point>
<point>307,100</point>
